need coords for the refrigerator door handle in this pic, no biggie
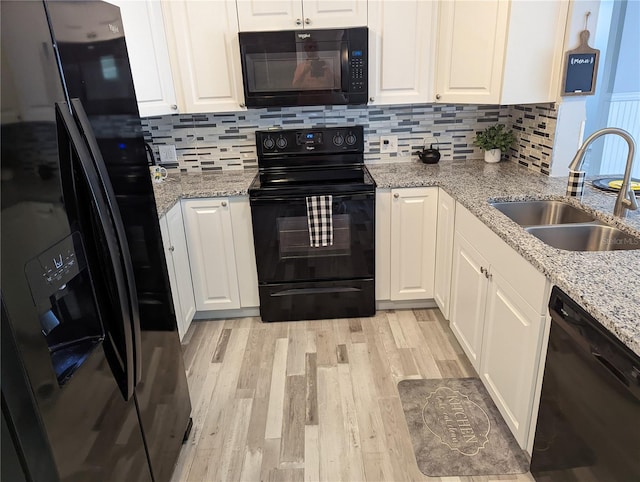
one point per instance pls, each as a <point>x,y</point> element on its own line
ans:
<point>88,171</point>
<point>85,128</point>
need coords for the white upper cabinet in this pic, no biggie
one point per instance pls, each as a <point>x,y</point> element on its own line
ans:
<point>499,51</point>
<point>148,56</point>
<point>269,15</point>
<point>205,56</point>
<point>296,14</point>
<point>402,37</point>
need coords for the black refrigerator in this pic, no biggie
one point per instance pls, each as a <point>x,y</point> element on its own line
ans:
<point>93,380</point>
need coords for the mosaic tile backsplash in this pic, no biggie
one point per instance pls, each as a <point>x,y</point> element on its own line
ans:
<point>227,141</point>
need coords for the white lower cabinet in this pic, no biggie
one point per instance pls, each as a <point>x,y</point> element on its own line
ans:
<point>498,312</point>
<point>383,244</point>
<point>469,296</point>
<point>413,242</point>
<point>510,353</point>
<point>221,252</point>
<point>211,252</point>
<point>444,251</point>
<point>177,256</point>
<point>405,243</point>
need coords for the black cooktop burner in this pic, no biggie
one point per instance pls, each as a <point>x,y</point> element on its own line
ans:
<point>311,161</point>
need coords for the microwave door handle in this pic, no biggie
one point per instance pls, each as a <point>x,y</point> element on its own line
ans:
<point>344,61</point>
<point>101,168</point>
<point>87,170</point>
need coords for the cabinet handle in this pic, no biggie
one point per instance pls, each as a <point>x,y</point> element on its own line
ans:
<point>307,21</point>
<point>172,249</point>
<point>224,204</point>
<point>396,195</point>
<point>438,96</point>
<point>298,21</point>
<point>174,107</point>
<point>371,99</point>
<point>242,105</point>
<point>482,269</point>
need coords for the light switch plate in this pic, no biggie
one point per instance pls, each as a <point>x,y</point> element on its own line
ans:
<point>388,144</point>
<point>168,153</point>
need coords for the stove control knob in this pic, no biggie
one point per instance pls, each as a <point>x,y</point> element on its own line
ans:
<point>281,143</point>
<point>351,139</point>
<point>268,143</point>
<point>338,140</point>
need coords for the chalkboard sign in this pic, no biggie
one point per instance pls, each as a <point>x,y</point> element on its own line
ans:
<point>580,68</point>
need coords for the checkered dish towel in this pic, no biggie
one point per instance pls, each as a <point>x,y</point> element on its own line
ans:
<point>320,220</point>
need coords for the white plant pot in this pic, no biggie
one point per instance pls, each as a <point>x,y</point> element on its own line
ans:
<point>492,155</point>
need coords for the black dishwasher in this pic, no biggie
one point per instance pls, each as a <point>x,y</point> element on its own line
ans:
<point>589,419</point>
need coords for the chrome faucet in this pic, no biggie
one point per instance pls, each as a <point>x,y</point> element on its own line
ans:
<point>626,199</point>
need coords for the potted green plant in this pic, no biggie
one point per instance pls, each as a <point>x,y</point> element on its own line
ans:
<point>494,140</point>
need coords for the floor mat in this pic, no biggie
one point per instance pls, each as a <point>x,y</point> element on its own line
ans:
<point>457,430</point>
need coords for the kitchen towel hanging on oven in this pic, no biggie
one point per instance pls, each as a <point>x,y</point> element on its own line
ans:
<point>320,220</point>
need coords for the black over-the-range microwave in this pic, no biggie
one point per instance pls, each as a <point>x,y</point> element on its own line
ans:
<point>305,67</point>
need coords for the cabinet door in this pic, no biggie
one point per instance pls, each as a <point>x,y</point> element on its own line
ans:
<point>532,70</point>
<point>180,255</point>
<point>244,251</point>
<point>383,244</point>
<point>444,251</point>
<point>205,55</point>
<point>211,253</point>
<point>334,13</point>
<point>166,242</point>
<point>269,15</point>
<point>510,352</point>
<point>413,242</point>
<point>471,47</point>
<point>402,42</point>
<point>468,297</point>
<point>148,56</point>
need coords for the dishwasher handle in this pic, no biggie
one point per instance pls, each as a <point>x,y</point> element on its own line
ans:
<point>611,367</point>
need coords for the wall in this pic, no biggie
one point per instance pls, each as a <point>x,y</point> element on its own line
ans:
<point>226,141</point>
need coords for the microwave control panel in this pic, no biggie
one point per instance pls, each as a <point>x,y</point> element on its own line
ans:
<point>358,75</point>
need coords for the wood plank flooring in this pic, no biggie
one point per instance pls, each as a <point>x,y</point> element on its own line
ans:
<point>312,400</point>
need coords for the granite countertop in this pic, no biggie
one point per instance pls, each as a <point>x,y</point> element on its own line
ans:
<point>605,284</point>
<point>200,185</point>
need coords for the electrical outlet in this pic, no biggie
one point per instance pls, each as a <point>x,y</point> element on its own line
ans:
<point>388,144</point>
<point>168,153</point>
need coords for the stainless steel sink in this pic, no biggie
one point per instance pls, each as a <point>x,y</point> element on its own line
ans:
<point>542,212</point>
<point>585,237</point>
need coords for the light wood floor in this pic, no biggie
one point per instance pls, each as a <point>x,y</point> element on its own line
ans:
<point>311,400</point>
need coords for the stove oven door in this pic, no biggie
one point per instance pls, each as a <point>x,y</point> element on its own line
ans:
<point>284,252</point>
